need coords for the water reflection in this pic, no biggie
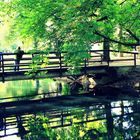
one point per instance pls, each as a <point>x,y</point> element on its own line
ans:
<point>90,116</point>
<point>111,120</point>
<point>30,88</point>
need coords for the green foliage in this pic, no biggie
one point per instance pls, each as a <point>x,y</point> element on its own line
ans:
<point>73,25</point>
<point>75,56</point>
<point>39,130</point>
<point>65,89</point>
<point>39,60</point>
<point>71,20</point>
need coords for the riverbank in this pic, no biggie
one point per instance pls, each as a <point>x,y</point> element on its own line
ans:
<point>122,77</point>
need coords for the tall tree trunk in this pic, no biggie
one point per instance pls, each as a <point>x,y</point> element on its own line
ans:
<point>106,46</point>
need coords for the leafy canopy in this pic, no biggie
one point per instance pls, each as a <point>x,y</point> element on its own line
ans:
<point>73,25</point>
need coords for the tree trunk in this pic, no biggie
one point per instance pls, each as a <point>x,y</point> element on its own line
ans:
<point>106,46</point>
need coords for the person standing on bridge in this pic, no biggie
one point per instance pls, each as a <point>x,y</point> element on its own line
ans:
<point>19,54</point>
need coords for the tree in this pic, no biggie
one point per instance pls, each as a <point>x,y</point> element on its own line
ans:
<point>75,25</point>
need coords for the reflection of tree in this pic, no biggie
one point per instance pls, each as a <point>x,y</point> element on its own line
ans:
<point>80,126</point>
<point>121,119</point>
<point>29,87</point>
<point>20,88</point>
<point>127,124</point>
<point>66,89</point>
<point>37,85</point>
<point>135,119</point>
<point>109,121</point>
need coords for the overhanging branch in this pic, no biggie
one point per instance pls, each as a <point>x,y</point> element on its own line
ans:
<point>133,35</point>
<point>123,2</point>
<point>116,41</point>
<point>102,18</point>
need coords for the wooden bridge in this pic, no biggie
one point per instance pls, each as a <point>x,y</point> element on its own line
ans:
<point>23,109</point>
<point>55,63</point>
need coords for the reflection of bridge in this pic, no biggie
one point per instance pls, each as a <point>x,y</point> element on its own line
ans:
<point>56,66</point>
<point>62,110</point>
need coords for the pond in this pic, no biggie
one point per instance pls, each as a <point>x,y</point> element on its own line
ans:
<point>25,89</point>
<point>82,116</point>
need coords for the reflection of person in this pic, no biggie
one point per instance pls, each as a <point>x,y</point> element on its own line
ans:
<point>20,127</point>
<point>59,87</point>
<point>0,59</point>
<point>19,54</point>
<point>1,123</point>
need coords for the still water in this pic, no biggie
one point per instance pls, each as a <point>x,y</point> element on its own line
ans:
<point>91,117</point>
<point>24,89</point>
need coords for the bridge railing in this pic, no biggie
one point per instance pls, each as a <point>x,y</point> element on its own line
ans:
<point>130,56</point>
<point>55,60</point>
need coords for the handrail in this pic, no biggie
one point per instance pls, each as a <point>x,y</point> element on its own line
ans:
<point>57,61</point>
<point>129,52</point>
<point>54,52</point>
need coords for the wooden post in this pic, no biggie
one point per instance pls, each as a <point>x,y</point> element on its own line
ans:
<point>101,58</point>
<point>108,63</point>
<point>62,119</point>
<point>108,59</point>
<point>135,63</point>
<point>5,126</point>
<point>44,96</point>
<point>85,66</point>
<point>2,122</point>
<point>42,57</point>
<point>2,61</point>
<point>33,58</point>
<point>60,64</point>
